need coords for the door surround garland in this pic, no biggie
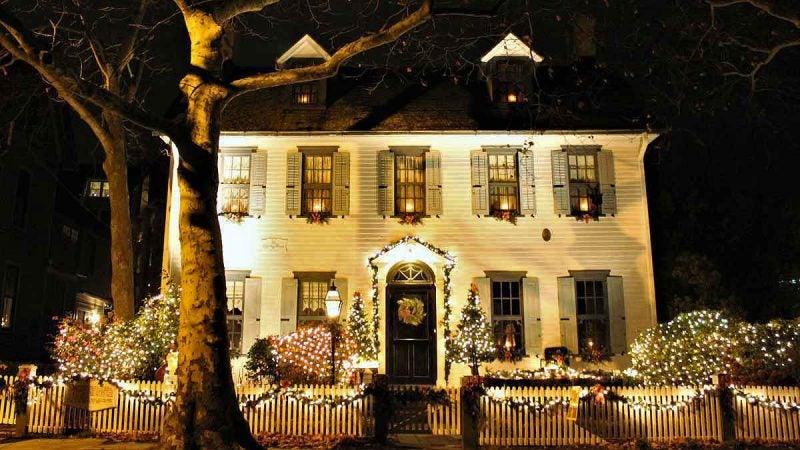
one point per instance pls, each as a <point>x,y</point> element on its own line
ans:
<point>448,267</point>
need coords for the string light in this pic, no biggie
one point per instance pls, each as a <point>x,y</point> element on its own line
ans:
<point>766,402</point>
<point>305,397</point>
<point>474,342</point>
<point>360,330</point>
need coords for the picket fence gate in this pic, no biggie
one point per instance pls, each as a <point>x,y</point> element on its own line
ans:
<point>433,419</point>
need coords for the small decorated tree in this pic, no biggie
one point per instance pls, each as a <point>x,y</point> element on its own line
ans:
<point>262,361</point>
<point>360,330</point>
<point>474,342</point>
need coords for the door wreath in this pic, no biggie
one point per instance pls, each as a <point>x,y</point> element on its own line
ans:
<point>410,311</point>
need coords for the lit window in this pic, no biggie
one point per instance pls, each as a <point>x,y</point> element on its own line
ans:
<point>305,94</point>
<point>502,182</point>
<point>317,178</point>
<point>507,316</point>
<point>583,185</point>
<point>234,283</point>
<point>10,290</point>
<point>312,289</point>
<point>409,181</point>
<point>235,184</point>
<point>592,310</point>
<point>98,189</point>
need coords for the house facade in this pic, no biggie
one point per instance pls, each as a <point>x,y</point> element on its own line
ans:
<point>418,204</point>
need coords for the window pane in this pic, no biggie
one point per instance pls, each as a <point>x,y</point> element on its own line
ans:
<point>312,298</point>
<point>409,184</point>
<point>592,315</point>
<point>317,176</point>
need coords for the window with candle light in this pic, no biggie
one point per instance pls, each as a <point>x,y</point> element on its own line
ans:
<point>235,184</point>
<point>583,180</point>
<point>503,187</point>
<point>507,321</point>
<point>592,314</point>
<point>317,182</point>
<point>409,183</point>
<point>305,94</point>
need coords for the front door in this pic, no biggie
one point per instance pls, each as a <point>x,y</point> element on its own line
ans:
<point>411,334</point>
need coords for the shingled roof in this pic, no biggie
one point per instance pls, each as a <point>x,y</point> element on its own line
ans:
<point>392,103</point>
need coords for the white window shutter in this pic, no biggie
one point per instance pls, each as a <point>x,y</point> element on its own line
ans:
<point>341,286</point>
<point>341,184</point>
<point>433,183</point>
<point>560,182</point>
<point>608,183</point>
<point>527,184</point>
<point>616,315</point>
<point>480,182</point>
<point>294,183</point>
<point>567,314</point>
<point>252,312</point>
<point>484,294</point>
<point>288,305</point>
<point>533,316</point>
<point>258,184</point>
<point>385,183</point>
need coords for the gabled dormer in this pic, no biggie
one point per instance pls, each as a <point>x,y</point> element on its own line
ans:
<point>508,67</point>
<point>304,52</point>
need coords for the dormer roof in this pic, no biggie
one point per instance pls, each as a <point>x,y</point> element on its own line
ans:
<point>511,46</point>
<point>306,47</point>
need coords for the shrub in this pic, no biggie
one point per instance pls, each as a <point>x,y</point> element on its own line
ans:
<point>262,362</point>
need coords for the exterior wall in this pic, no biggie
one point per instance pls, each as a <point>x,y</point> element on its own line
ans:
<point>273,246</point>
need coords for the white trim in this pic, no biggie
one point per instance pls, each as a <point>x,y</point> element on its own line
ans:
<point>512,46</point>
<point>305,47</point>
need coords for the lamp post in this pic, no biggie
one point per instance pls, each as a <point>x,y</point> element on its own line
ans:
<point>333,308</point>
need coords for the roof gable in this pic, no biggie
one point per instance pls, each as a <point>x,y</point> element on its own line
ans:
<point>306,47</point>
<point>512,46</point>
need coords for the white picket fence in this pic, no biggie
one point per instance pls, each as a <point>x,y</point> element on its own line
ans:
<point>504,426</point>
<point>48,414</point>
<point>614,421</point>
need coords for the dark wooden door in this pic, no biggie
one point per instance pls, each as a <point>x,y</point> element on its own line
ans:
<point>411,349</point>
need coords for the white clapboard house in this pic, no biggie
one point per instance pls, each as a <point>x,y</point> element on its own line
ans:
<point>574,271</point>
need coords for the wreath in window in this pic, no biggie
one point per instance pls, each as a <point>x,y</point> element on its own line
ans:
<point>410,311</point>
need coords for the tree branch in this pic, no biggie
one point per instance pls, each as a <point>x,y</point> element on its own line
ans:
<point>761,5</point>
<point>330,67</point>
<point>23,47</point>
<point>469,12</point>
<point>228,9</point>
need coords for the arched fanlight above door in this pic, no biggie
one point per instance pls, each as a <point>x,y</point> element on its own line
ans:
<point>410,273</point>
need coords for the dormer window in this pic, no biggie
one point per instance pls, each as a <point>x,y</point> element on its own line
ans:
<point>508,67</point>
<point>305,94</point>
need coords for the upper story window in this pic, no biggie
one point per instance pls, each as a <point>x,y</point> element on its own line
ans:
<point>305,94</point>
<point>70,234</point>
<point>313,287</point>
<point>98,189</point>
<point>592,314</point>
<point>507,321</point>
<point>317,181</point>
<point>503,185</point>
<point>9,295</point>
<point>235,183</point>
<point>409,179</point>
<point>583,180</point>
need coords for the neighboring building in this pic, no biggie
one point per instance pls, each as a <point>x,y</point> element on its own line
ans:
<point>454,156</point>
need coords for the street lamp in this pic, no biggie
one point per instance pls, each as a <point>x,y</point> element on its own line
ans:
<point>333,308</point>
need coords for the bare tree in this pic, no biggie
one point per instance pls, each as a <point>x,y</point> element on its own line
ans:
<point>206,413</point>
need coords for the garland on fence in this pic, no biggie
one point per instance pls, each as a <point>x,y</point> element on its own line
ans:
<point>766,402</point>
<point>305,397</point>
<point>449,265</point>
<point>598,394</point>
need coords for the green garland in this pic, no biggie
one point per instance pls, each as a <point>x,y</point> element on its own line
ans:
<point>451,261</point>
<point>766,402</point>
<point>300,396</point>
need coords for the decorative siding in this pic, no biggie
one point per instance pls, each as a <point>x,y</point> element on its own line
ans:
<point>274,246</point>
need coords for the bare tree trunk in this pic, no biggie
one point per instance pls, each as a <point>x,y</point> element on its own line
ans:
<point>116,170</point>
<point>206,413</point>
